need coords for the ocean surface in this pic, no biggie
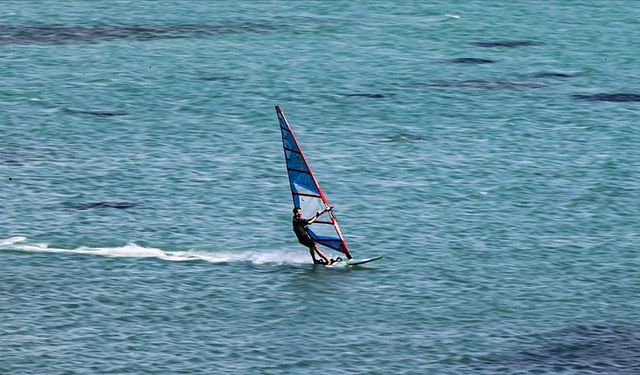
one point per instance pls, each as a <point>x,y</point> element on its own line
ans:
<point>490,150</point>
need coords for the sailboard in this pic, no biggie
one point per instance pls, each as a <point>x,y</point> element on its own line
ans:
<point>353,262</point>
<point>307,193</point>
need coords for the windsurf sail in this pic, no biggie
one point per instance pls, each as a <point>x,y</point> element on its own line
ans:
<point>306,192</point>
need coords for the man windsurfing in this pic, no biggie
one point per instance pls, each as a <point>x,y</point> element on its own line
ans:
<point>299,227</point>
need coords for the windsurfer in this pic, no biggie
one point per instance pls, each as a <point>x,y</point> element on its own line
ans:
<point>299,227</point>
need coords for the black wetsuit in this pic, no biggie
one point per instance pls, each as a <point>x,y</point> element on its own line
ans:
<point>299,225</point>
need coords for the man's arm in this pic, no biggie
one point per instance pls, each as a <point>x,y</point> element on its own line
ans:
<point>313,219</point>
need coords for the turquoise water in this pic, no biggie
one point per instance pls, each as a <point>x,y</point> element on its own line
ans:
<point>485,149</point>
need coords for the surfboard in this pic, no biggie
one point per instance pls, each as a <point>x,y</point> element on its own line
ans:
<point>354,262</point>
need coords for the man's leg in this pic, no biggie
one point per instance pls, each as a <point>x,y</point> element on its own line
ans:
<point>313,255</point>
<point>324,257</point>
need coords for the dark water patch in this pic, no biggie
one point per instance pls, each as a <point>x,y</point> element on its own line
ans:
<point>479,84</point>
<point>365,95</point>
<point>218,78</point>
<point>104,204</point>
<point>98,113</point>
<point>470,61</point>
<point>403,138</point>
<point>507,43</point>
<point>8,159</point>
<point>596,349</point>
<point>62,34</point>
<point>603,97</point>
<point>554,75</point>
<point>12,158</point>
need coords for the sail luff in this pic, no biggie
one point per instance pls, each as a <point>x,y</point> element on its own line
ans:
<point>285,127</point>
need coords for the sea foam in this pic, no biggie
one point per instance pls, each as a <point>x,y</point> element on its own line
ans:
<point>133,250</point>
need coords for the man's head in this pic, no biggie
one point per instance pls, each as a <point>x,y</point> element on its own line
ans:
<point>297,212</point>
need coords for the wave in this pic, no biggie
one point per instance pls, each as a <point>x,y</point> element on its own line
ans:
<point>132,250</point>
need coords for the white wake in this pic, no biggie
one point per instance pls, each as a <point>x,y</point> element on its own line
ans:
<point>133,250</point>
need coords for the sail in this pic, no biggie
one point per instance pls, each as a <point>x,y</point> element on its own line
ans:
<point>306,192</point>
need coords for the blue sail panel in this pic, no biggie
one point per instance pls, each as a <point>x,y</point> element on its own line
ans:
<point>335,244</point>
<point>295,161</point>
<point>289,143</point>
<point>288,139</point>
<point>325,234</point>
<point>302,183</point>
